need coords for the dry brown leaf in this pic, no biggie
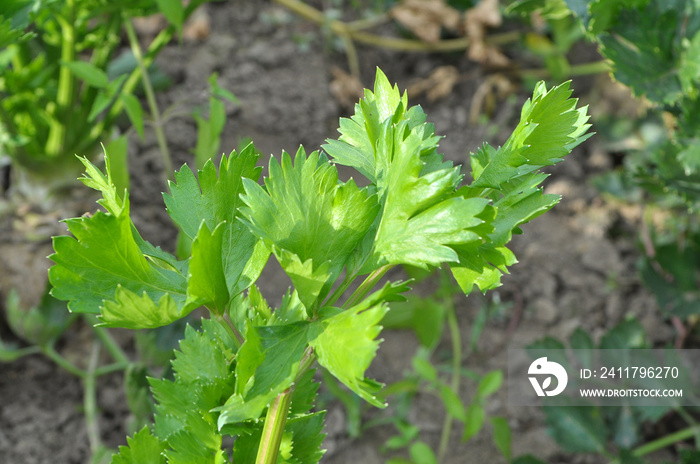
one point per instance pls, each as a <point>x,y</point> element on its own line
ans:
<point>487,54</point>
<point>437,85</point>
<point>426,18</point>
<point>345,88</point>
<point>150,26</point>
<point>495,87</point>
<point>198,25</point>
<point>476,21</point>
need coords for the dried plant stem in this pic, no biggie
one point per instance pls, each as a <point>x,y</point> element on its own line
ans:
<point>407,45</point>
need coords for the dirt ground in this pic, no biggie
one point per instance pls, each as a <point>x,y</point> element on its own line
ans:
<point>577,263</point>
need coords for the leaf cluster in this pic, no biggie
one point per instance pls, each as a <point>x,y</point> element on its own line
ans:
<point>326,234</point>
<point>59,92</point>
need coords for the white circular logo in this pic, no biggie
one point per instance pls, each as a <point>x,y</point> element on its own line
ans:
<point>542,367</point>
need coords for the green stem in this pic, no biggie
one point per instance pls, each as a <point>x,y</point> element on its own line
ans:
<point>277,413</point>
<point>109,368</point>
<point>454,383</point>
<point>666,441</point>
<point>306,362</point>
<point>150,98</point>
<point>662,442</point>
<point>583,69</point>
<point>22,352</point>
<point>90,399</point>
<point>366,286</point>
<point>691,421</point>
<point>52,354</point>
<point>132,81</point>
<point>110,343</point>
<point>227,324</point>
<point>57,131</point>
<point>340,290</point>
<point>273,430</point>
<point>109,41</point>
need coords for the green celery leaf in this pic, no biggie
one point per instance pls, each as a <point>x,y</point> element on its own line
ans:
<point>243,255</point>
<point>307,438</point>
<point>311,221</point>
<point>266,365</point>
<point>282,349</point>
<point>482,266</point>
<point>291,310</point>
<point>625,426</point>
<point>395,148</point>
<point>521,200</point>
<point>308,280</point>
<point>420,220</point>
<point>105,256</point>
<point>198,443</point>
<point>207,282</point>
<point>128,310</point>
<point>143,448</point>
<point>426,317</point>
<point>357,144</point>
<point>108,265</point>
<point>391,291</point>
<point>628,334</point>
<point>111,199</point>
<point>421,453</point>
<point>304,396</point>
<point>345,345</point>
<point>203,379</point>
<point>199,359</point>
<point>550,127</point>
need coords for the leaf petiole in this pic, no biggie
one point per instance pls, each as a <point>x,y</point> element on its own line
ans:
<point>347,281</point>
<point>226,323</point>
<point>367,286</point>
<point>273,430</point>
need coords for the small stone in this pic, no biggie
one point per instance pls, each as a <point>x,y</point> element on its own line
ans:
<point>544,310</point>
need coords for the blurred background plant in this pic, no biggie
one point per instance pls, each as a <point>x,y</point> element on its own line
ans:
<point>428,317</point>
<point>64,92</point>
<point>653,47</point>
<point>626,434</point>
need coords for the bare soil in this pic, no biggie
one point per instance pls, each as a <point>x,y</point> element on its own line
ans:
<point>577,263</point>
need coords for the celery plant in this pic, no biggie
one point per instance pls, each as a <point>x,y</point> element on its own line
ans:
<point>248,373</point>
